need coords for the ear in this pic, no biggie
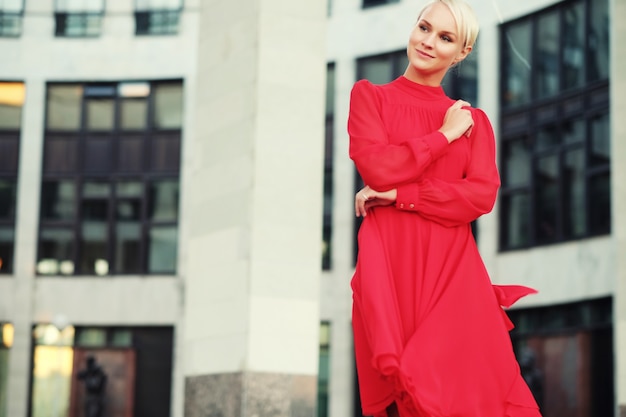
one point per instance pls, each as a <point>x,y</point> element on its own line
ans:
<point>462,55</point>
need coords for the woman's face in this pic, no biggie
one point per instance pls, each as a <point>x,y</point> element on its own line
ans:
<point>434,45</point>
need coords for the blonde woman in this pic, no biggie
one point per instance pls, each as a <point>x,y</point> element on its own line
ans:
<point>431,338</point>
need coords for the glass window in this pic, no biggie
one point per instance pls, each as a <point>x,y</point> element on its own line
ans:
<point>516,57</point>
<point>598,40</point>
<point>12,96</point>
<point>548,49</point>
<point>109,197</point>
<point>157,17</point>
<point>324,371</point>
<point>558,130</point>
<point>573,45</point>
<point>64,107</point>
<point>78,18</point>
<point>162,251</point>
<point>6,341</point>
<point>168,106</point>
<point>374,3</point>
<point>53,359</point>
<point>11,12</point>
<point>328,167</point>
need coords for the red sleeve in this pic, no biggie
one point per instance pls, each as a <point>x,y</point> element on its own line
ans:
<point>452,203</point>
<point>381,165</point>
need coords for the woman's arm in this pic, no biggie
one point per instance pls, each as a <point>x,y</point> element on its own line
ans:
<point>452,203</point>
<point>381,165</point>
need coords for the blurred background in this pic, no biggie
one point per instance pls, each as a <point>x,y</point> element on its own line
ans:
<point>169,168</point>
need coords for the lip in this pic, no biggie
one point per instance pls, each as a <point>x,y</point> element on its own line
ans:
<point>423,54</point>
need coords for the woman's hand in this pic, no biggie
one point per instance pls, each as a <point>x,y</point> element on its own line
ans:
<point>457,121</point>
<point>367,198</point>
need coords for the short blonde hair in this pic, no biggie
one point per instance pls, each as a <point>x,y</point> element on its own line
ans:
<point>466,21</point>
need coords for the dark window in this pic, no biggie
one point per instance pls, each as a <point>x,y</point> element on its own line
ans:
<point>110,189</point>
<point>78,19</point>
<point>154,17</point>
<point>328,168</point>
<point>554,150</point>
<point>324,370</point>
<point>11,14</point>
<point>459,82</point>
<point>374,3</point>
<point>548,340</point>
<point>11,101</point>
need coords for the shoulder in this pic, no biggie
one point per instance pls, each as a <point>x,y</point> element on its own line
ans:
<point>480,117</point>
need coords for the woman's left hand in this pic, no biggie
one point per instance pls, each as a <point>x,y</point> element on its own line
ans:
<point>367,198</point>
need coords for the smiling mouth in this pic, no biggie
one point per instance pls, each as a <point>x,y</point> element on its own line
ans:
<point>424,54</point>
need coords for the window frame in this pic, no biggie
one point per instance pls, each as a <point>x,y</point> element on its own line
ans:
<point>114,175</point>
<point>525,122</point>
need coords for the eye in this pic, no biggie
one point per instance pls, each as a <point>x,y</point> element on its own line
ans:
<point>446,38</point>
<point>423,28</point>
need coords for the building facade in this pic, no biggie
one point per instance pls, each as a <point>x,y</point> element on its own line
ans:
<point>155,207</point>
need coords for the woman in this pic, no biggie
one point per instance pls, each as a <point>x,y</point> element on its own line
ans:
<point>431,337</point>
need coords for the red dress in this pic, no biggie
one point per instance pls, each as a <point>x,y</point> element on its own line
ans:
<point>430,331</point>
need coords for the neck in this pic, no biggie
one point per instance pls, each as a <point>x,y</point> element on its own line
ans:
<point>427,79</point>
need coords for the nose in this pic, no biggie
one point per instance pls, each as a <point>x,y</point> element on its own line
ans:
<point>428,40</point>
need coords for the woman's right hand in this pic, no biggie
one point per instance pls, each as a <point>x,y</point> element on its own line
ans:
<point>457,122</point>
<point>368,198</point>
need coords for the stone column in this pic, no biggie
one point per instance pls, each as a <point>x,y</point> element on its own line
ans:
<point>253,257</point>
<point>31,148</point>
<point>618,193</point>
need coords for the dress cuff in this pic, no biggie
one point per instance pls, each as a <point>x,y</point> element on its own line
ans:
<point>407,196</point>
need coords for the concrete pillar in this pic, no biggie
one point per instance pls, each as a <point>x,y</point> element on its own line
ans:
<point>21,312</point>
<point>254,250</point>
<point>618,194</point>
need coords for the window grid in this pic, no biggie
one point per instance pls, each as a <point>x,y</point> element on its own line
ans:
<point>78,24</point>
<point>555,156</point>
<point>110,190</point>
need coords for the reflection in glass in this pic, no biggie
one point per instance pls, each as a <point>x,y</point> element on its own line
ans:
<point>127,247</point>
<point>53,358</point>
<point>168,106</point>
<point>58,200</point>
<point>600,203</point>
<point>12,97</point>
<point>547,63</point>
<point>516,209</point>
<point>516,62</point>
<point>378,70</point>
<point>55,245</point>
<point>162,251</point>
<point>122,338</point>
<point>7,238</point>
<point>64,107</point>
<point>547,137</point>
<point>598,39</point>
<point>573,131</point>
<point>100,114</point>
<point>163,200</point>
<point>516,162</point>
<point>600,152</point>
<point>8,188</point>
<point>574,194</point>
<point>91,337</point>
<point>573,45</point>
<point>546,200</point>
<point>93,237</point>
<point>134,114</point>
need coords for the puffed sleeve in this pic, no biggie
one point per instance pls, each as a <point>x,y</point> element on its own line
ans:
<point>382,165</point>
<point>456,202</point>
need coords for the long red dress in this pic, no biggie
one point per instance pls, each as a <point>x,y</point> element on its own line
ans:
<point>429,327</point>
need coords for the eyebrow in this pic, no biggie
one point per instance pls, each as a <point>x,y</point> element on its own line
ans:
<point>444,31</point>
